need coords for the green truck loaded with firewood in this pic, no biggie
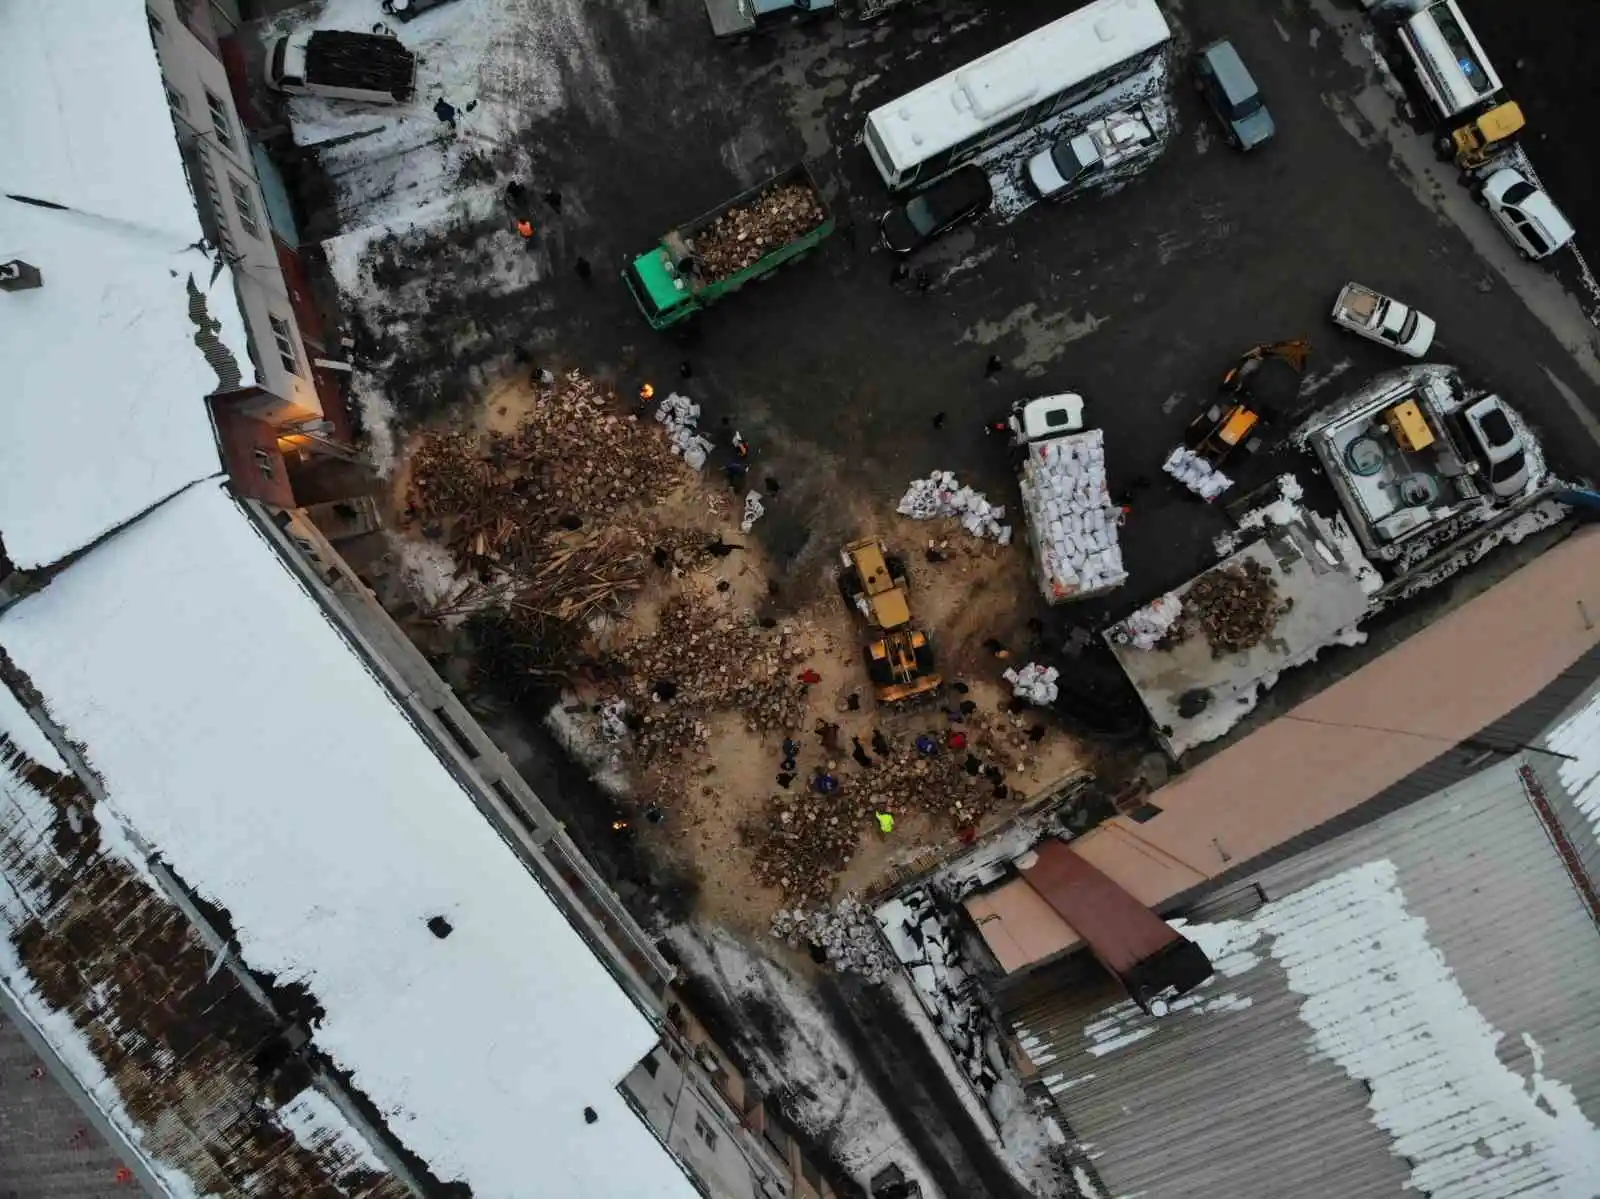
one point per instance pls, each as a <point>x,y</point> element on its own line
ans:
<point>737,242</point>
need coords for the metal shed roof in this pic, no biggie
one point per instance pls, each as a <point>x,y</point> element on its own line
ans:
<point>1413,1007</point>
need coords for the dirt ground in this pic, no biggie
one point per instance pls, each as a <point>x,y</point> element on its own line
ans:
<point>703,809</point>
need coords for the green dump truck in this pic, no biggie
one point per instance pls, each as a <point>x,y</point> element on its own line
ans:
<point>716,254</point>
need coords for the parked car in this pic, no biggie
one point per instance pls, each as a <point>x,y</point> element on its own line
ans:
<point>1228,88</point>
<point>1116,138</point>
<point>734,18</point>
<point>1497,440</point>
<point>960,196</point>
<point>1530,218</point>
<point>409,10</point>
<point>1378,318</point>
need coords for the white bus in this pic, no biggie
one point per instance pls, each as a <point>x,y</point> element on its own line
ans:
<point>926,132</point>
<point>1451,65</point>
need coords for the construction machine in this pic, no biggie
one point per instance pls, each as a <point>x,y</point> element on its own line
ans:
<point>1474,144</point>
<point>1265,383</point>
<point>899,657</point>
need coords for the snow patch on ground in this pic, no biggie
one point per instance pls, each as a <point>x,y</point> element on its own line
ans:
<point>1579,736</point>
<point>500,64</point>
<point>813,1066</point>
<point>428,568</point>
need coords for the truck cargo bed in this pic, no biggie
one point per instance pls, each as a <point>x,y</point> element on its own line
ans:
<point>365,61</point>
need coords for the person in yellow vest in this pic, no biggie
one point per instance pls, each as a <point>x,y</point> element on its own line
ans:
<point>885,822</point>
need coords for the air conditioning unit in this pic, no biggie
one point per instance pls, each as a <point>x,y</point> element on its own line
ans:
<point>17,275</point>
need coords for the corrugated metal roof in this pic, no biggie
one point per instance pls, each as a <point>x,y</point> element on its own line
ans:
<point>1570,776</point>
<point>1414,1006</point>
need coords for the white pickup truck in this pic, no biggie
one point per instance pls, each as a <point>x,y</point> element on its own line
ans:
<point>341,65</point>
<point>1378,318</point>
<point>1072,523</point>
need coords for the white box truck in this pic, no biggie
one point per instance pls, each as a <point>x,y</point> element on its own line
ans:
<point>1066,502</point>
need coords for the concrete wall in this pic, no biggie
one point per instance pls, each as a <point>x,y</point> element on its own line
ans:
<point>191,70</point>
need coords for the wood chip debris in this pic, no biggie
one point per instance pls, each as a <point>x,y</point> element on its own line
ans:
<point>1236,607</point>
<point>742,236</point>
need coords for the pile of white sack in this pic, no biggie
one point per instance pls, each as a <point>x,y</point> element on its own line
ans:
<point>1074,521</point>
<point>1195,473</point>
<point>940,495</point>
<point>681,416</point>
<point>753,511</point>
<point>1034,683</point>
<point>847,935</point>
<point>1147,627</point>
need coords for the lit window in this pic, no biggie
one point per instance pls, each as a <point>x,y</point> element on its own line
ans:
<point>219,120</point>
<point>286,354</point>
<point>246,209</point>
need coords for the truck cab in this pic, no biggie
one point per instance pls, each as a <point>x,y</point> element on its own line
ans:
<point>1046,417</point>
<point>662,288</point>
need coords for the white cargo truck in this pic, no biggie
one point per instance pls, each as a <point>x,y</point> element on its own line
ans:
<point>1066,502</point>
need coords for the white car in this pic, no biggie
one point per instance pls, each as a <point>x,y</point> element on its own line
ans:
<point>1498,440</point>
<point>1529,217</point>
<point>1115,138</point>
<point>1378,318</point>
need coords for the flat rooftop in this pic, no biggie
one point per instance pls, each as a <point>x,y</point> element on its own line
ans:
<point>1324,601</point>
<point>1332,753</point>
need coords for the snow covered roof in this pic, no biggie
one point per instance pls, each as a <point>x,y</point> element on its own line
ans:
<point>240,737</point>
<point>1409,1011</point>
<point>174,1056</point>
<point>107,384</point>
<point>87,124</point>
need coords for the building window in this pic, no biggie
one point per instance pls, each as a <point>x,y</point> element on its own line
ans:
<point>264,464</point>
<point>156,27</point>
<point>286,354</point>
<point>246,209</point>
<point>705,1132</point>
<point>219,120</point>
<point>650,1065</point>
<point>217,209</point>
<point>175,100</point>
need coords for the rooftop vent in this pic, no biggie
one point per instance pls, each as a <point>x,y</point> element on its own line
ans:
<point>17,275</point>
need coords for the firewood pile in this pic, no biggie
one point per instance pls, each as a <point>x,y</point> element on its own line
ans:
<point>804,837</point>
<point>495,502</point>
<point>703,660</point>
<point>1236,607</point>
<point>742,236</point>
